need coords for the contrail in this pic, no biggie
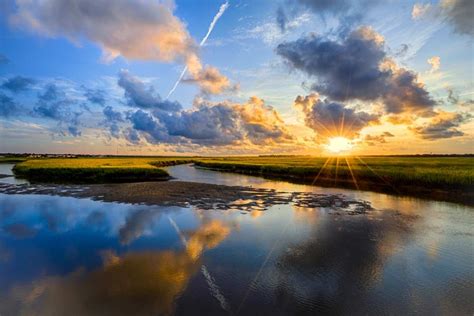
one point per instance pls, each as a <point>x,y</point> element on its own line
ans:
<point>213,287</point>
<point>221,11</point>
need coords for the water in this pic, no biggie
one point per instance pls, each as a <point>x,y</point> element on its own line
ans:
<point>6,169</point>
<point>68,256</point>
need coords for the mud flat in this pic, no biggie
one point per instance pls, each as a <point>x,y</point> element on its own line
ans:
<point>200,195</point>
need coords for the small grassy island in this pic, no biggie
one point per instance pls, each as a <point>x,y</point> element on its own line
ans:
<point>95,170</point>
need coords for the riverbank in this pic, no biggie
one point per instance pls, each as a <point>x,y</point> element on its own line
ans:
<point>438,178</point>
<point>95,170</point>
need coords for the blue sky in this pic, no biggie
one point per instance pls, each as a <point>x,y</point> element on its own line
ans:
<point>240,60</point>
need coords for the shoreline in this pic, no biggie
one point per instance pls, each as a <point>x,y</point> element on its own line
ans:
<point>457,196</point>
<point>195,194</point>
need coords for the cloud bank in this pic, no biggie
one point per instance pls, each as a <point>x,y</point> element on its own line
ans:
<point>443,125</point>
<point>137,30</point>
<point>17,84</point>
<point>331,119</point>
<point>139,95</point>
<point>357,68</point>
<point>214,125</point>
<point>457,13</point>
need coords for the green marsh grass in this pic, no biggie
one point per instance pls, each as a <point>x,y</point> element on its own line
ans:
<point>95,170</point>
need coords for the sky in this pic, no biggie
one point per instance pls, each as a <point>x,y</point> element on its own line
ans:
<point>236,77</point>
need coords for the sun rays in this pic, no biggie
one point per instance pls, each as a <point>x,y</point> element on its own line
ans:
<point>345,168</point>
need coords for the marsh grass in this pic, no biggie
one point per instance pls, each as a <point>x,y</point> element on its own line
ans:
<point>429,172</point>
<point>95,170</point>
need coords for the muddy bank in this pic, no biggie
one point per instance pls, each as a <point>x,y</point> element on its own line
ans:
<point>200,195</point>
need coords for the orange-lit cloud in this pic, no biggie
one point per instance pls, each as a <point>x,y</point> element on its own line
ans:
<point>137,30</point>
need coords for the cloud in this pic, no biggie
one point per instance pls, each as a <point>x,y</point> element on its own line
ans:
<point>226,123</point>
<point>214,124</point>
<point>54,104</point>
<point>357,68</point>
<point>4,59</point>
<point>443,125</point>
<point>136,225</point>
<point>419,10</point>
<point>96,96</point>
<point>458,13</point>
<point>8,107</point>
<point>435,63</point>
<point>143,122</point>
<point>140,96</point>
<point>281,19</point>
<point>348,13</point>
<point>211,81</point>
<point>138,30</point>
<point>322,6</point>
<point>197,74</point>
<point>143,30</point>
<point>373,140</point>
<point>331,119</point>
<point>132,136</point>
<point>112,118</point>
<point>18,84</point>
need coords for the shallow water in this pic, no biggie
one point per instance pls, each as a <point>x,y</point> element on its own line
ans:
<point>65,256</point>
<point>6,169</point>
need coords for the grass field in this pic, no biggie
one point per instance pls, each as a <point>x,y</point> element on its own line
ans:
<point>11,159</point>
<point>445,178</point>
<point>428,176</point>
<point>96,170</point>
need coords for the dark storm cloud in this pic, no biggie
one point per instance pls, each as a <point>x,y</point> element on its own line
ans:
<point>17,84</point>
<point>54,104</point>
<point>96,96</point>
<point>443,125</point>
<point>8,107</point>
<point>357,68</point>
<point>138,95</point>
<point>331,119</point>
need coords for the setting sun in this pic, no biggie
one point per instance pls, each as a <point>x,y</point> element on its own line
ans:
<point>339,144</point>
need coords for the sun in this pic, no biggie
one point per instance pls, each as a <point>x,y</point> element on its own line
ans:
<point>339,144</point>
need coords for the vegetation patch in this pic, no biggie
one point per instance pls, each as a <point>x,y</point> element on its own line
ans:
<point>451,178</point>
<point>11,159</point>
<point>95,170</point>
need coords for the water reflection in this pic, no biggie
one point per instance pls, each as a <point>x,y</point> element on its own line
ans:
<point>135,282</point>
<point>340,263</point>
<point>61,255</point>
